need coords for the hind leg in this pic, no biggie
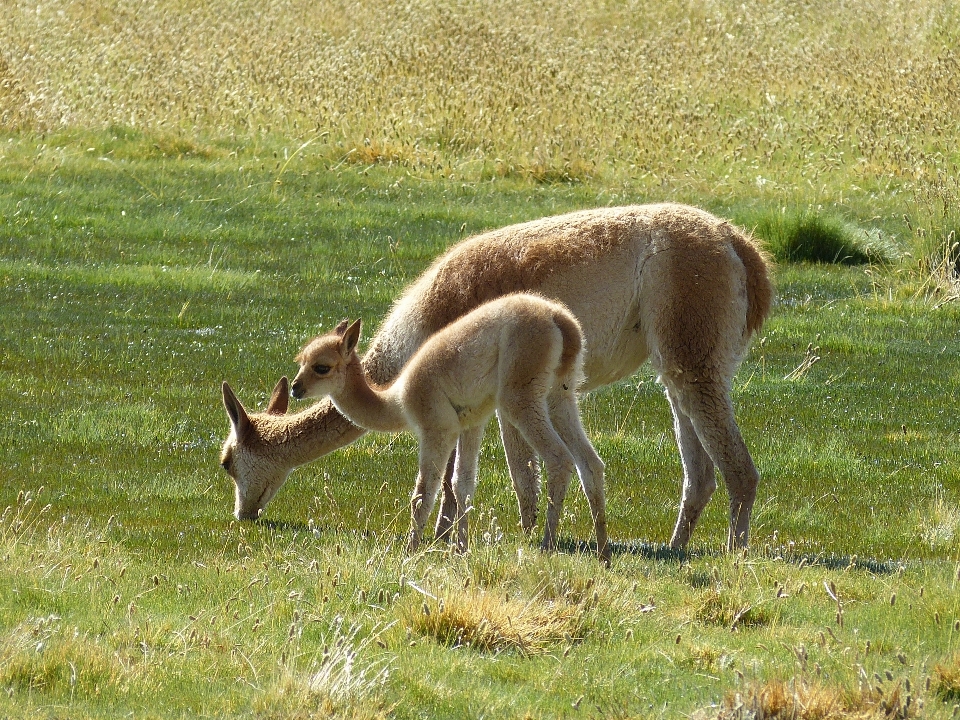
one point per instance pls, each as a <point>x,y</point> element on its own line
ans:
<point>708,406</point>
<point>529,414</point>
<point>695,314</point>
<point>699,476</point>
<point>448,503</point>
<point>566,419</point>
<point>524,472</point>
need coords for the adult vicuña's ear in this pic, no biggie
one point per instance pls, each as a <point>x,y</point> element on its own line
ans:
<point>351,337</point>
<point>341,327</point>
<point>236,413</point>
<point>280,398</point>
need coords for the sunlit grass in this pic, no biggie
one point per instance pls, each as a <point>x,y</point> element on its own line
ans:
<point>191,190</point>
<point>293,623</point>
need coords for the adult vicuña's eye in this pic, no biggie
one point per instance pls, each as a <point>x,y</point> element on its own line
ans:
<point>321,369</point>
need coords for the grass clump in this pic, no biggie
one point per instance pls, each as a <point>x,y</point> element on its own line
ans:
<point>818,237</point>
<point>727,608</point>
<point>940,272</point>
<point>946,676</point>
<point>801,699</point>
<point>490,622</point>
<point>345,679</point>
<point>40,655</point>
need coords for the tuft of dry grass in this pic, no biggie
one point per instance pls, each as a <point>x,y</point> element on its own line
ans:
<point>727,608</point>
<point>946,677</point>
<point>18,522</point>
<point>940,272</point>
<point>39,656</point>
<point>489,622</point>
<point>939,522</point>
<point>344,681</point>
<point>803,700</point>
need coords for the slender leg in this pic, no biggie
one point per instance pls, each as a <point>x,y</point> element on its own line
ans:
<point>699,476</point>
<point>529,414</point>
<point>434,456</point>
<point>709,409</point>
<point>695,303</point>
<point>524,472</point>
<point>465,480</point>
<point>448,503</point>
<point>566,419</point>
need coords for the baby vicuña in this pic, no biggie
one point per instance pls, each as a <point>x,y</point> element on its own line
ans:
<point>519,355</point>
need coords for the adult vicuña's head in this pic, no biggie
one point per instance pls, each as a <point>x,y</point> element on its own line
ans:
<point>248,456</point>
<point>323,362</point>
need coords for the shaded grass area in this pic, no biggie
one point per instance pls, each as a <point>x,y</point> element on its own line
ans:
<point>819,237</point>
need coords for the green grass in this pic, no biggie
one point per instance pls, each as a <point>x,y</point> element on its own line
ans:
<point>189,190</point>
<point>131,286</point>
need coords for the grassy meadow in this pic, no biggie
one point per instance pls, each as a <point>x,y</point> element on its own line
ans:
<point>189,190</point>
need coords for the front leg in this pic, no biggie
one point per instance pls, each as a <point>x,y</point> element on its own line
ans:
<point>434,457</point>
<point>465,479</point>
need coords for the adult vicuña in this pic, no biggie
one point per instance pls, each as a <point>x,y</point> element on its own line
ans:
<point>519,355</point>
<point>666,282</point>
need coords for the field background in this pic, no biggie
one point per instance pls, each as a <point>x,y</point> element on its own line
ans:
<point>188,191</point>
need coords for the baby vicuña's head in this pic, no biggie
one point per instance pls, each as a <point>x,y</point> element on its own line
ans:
<point>324,360</point>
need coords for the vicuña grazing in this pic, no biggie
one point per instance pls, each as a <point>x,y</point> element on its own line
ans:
<point>519,355</point>
<point>666,282</point>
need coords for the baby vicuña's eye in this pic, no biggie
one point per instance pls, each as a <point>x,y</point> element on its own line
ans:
<point>321,369</point>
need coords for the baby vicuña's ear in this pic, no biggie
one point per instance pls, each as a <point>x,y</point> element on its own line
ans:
<point>341,327</point>
<point>351,337</point>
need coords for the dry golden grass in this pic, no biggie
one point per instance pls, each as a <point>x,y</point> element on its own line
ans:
<point>730,609</point>
<point>818,106</point>
<point>947,679</point>
<point>341,681</point>
<point>489,622</point>
<point>803,700</point>
<point>780,95</point>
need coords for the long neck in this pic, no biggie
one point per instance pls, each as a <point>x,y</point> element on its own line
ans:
<point>308,434</point>
<point>369,407</point>
<point>320,429</point>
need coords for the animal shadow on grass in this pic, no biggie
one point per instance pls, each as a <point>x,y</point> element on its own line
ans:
<point>282,526</point>
<point>641,548</point>
<point>662,552</point>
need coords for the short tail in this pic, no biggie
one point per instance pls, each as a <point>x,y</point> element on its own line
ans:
<point>571,364</point>
<point>759,286</point>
